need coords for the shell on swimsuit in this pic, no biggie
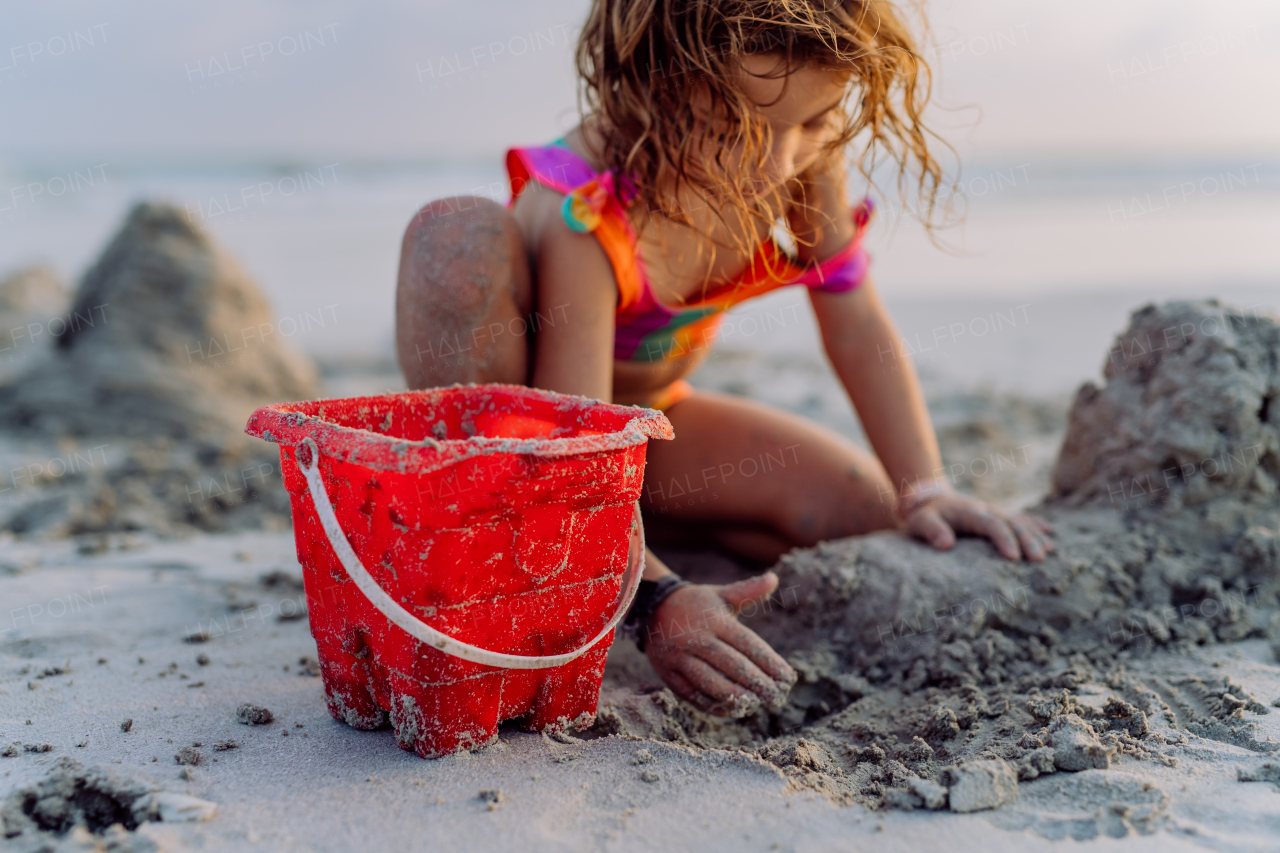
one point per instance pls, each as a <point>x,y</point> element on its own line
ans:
<point>583,207</point>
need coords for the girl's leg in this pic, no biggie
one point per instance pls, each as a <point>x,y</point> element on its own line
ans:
<point>762,481</point>
<point>464,296</point>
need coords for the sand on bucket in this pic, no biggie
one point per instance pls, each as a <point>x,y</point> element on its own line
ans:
<point>467,553</point>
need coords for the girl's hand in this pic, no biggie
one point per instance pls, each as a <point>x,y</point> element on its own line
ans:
<point>939,519</point>
<point>710,659</point>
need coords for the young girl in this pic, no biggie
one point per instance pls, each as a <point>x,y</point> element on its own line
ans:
<point>710,125</point>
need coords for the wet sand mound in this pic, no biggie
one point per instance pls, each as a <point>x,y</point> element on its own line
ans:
<point>157,321</point>
<point>1190,412</point>
<point>131,416</point>
<point>916,665</point>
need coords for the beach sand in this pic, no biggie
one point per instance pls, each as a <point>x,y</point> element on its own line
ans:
<point>329,787</point>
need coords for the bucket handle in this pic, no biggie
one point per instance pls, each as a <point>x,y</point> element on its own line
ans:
<point>422,631</point>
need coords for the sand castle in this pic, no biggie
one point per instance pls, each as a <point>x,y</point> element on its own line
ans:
<point>161,355</point>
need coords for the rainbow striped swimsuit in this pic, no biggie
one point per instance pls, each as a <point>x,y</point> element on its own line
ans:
<point>647,330</point>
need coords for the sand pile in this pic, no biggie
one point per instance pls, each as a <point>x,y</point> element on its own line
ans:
<point>932,678</point>
<point>32,302</point>
<point>169,338</point>
<point>1190,413</point>
<point>166,349</point>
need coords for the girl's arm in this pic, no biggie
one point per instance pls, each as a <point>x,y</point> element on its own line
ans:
<point>575,286</point>
<point>575,283</point>
<point>862,344</point>
<point>694,639</point>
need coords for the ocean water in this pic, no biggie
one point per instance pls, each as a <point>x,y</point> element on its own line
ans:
<point>1025,297</point>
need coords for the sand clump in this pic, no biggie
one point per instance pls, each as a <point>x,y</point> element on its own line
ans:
<point>1088,805</point>
<point>92,808</point>
<point>1268,771</point>
<point>1076,745</point>
<point>189,756</point>
<point>979,785</point>
<point>131,417</point>
<point>253,715</point>
<point>914,662</point>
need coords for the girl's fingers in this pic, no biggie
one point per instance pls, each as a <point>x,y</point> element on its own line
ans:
<point>760,653</point>
<point>1042,525</point>
<point>729,699</point>
<point>683,688</point>
<point>1012,537</point>
<point>738,595</point>
<point>738,668</point>
<point>1031,539</point>
<point>1044,529</point>
<point>994,527</point>
<point>928,524</point>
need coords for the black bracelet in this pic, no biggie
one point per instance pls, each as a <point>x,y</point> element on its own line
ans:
<point>649,595</point>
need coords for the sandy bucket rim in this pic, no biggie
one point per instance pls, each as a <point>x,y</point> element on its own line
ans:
<point>286,424</point>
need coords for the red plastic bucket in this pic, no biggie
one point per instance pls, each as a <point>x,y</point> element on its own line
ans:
<point>467,552</point>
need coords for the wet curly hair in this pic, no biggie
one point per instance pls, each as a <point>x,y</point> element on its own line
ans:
<point>644,63</point>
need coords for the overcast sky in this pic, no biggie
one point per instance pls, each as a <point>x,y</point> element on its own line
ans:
<point>397,79</point>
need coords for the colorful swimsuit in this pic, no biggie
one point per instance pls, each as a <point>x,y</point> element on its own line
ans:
<point>647,330</point>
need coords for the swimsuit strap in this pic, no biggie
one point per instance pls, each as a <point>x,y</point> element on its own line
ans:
<point>594,202</point>
<point>554,166</point>
<point>847,268</point>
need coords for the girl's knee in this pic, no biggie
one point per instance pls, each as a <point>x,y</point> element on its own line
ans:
<point>465,242</point>
<point>456,217</point>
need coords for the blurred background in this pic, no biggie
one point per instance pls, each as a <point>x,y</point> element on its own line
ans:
<point>1111,154</point>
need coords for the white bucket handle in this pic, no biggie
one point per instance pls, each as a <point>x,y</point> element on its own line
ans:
<point>417,628</point>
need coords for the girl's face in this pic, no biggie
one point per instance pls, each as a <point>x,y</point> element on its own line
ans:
<point>799,109</point>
